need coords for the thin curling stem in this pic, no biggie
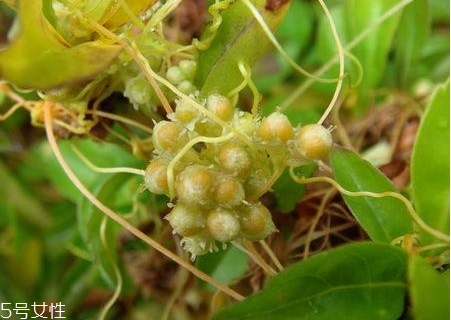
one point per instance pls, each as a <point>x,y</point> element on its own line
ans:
<point>95,168</point>
<point>277,45</point>
<point>117,218</point>
<point>340,58</point>
<point>246,73</point>
<point>359,38</point>
<point>406,202</point>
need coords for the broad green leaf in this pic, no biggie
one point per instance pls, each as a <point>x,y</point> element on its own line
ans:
<point>90,220</point>
<point>384,219</point>
<point>373,51</point>
<point>288,192</point>
<point>225,265</point>
<point>430,165</point>
<point>429,291</point>
<point>40,58</point>
<point>239,38</point>
<point>410,38</point>
<point>353,282</point>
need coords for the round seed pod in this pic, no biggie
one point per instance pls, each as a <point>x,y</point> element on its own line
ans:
<point>138,90</point>
<point>220,106</point>
<point>234,158</point>
<point>223,225</point>
<point>166,136</point>
<point>256,222</point>
<point>194,185</point>
<point>186,87</point>
<point>175,75</point>
<point>186,221</point>
<point>208,128</point>
<point>155,177</point>
<point>275,128</point>
<point>229,192</point>
<point>186,113</point>
<point>188,68</point>
<point>313,141</point>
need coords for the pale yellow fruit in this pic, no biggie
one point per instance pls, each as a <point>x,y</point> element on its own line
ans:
<point>194,185</point>
<point>167,135</point>
<point>256,222</point>
<point>223,225</point>
<point>275,128</point>
<point>220,106</point>
<point>234,158</point>
<point>187,221</point>
<point>155,177</point>
<point>313,141</point>
<point>229,192</point>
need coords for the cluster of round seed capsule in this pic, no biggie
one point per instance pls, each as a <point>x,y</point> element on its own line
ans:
<point>215,183</point>
<point>182,76</point>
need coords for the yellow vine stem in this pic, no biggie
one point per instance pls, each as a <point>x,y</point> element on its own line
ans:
<point>405,201</point>
<point>359,38</point>
<point>11,111</point>
<point>115,117</point>
<point>152,76</point>
<point>161,14</point>
<point>117,273</point>
<point>184,150</point>
<point>275,176</point>
<point>143,64</point>
<point>256,257</point>
<point>95,168</point>
<point>315,221</point>
<point>271,255</point>
<point>198,106</point>
<point>340,58</point>
<point>246,73</point>
<point>117,218</point>
<point>277,45</point>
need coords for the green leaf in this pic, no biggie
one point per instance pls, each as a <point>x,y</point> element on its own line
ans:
<point>384,219</point>
<point>288,192</point>
<point>430,165</point>
<point>90,220</point>
<point>40,58</point>
<point>429,291</point>
<point>353,282</point>
<point>239,38</point>
<point>410,38</point>
<point>225,265</point>
<point>373,51</point>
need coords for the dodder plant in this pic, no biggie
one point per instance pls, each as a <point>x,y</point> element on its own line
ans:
<point>213,158</point>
